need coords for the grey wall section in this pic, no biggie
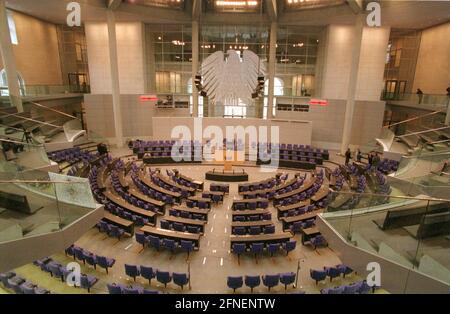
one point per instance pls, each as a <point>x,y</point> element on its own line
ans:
<point>136,115</point>
<point>395,278</point>
<point>328,121</point>
<point>31,248</point>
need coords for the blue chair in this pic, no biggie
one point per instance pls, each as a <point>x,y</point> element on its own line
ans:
<point>148,291</point>
<point>28,288</point>
<point>178,227</point>
<point>163,277</point>
<point>105,262</point>
<point>79,254</point>
<point>318,241</point>
<point>132,271</point>
<point>269,229</point>
<point>255,230</point>
<point>192,229</point>
<point>287,279</point>
<point>187,246</point>
<point>132,290</point>
<point>164,224</point>
<point>180,279</point>
<point>91,259</point>
<point>257,248</point>
<point>344,269</point>
<point>147,272</point>
<point>289,246</point>
<point>56,271</point>
<point>154,241</point>
<point>239,230</point>
<point>252,281</point>
<point>169,244</point>
<point>87,281</point>
<point>364,287</point>
<point>318,275</point>
<point>39,290</point>
<point>238,248</point>
<point>332,272</point>
<point>115,232</point>
<point>271,281</point>
<point>234,282</point>
<point>141,239</point>
<point>115,288</point>
<point>273,248</point>
<point>352,288</point>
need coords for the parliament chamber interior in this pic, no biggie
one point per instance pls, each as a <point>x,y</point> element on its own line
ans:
<point>224,147</point>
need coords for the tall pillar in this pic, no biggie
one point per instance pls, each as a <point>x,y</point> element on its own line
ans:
<point>115,86</point>
<point>272,62</point>
<point>354,67</point>
<point>151,63</point>
<point>9,61</point>
<point>447,117</point>
<point>194,67</point>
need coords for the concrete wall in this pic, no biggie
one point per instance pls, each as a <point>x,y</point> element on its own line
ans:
<point>37,54</point>
<point>433,62</point>
<point>130,53</point>
<point>337,61</point>
<point>328,121</point>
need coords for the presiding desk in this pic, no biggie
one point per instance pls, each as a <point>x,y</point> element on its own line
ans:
<point>173,235</point>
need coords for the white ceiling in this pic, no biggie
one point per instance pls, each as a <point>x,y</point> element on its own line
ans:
<point>394,13</point>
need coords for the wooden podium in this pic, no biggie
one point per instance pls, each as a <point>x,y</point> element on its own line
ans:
<point>228,174</point>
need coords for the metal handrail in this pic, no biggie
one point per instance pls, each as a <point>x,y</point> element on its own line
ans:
<point>39,181</point>
<point>54,110</point>
<point>426,131</point>
<point>394,196</point>
<point>29,119</point>
<point>22,143</point>
<point>412,119</point>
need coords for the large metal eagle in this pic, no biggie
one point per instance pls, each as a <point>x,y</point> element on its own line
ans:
<point>229,79</point>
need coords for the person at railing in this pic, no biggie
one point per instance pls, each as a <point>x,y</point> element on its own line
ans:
<point>348,156</point>
<point>420,94</point>
<point>358,156</point>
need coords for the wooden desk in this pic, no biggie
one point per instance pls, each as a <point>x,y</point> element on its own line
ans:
<point>302,188</point>
<point>150,184</point>
<point>174,235</point>
<point>197,199</point>
<point>167,181</point>
<point>141,196</point>
<point>194,210</point>
<point>248,224</point>
<point>122,180</point>
<point>283,209</point>
<point>127,225</point>
<point>264,238</point>
<point>198,184</point>
<point>151,216</point>
<point>250,185</point>
<point>209,194</point>
<point>220,187</point>
<point>250,212</point>
<point>309,233</point>
<point>288,221</point>
<point>189,222</point>
<point>247,201</point>
<point>323,192</point>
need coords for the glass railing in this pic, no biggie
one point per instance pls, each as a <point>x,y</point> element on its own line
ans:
<point>430,101</point>
<point>410,231</point>
<point>43,90</point>
<point>35,202</point>
<point>21,154</point>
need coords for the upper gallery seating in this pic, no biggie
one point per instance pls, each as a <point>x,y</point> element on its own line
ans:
<point>161,151</point>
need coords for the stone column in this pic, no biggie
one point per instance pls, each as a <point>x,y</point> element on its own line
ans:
<point>272,62</point>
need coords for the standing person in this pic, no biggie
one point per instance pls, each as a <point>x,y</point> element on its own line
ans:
<point>376,160</point>
<point>348,156</point>
<point>370,158</point>
<point>358,156</point>
<point>420,94</point>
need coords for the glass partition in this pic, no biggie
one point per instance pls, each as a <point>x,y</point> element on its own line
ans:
<point>410,231</point>
<point>34,202</point>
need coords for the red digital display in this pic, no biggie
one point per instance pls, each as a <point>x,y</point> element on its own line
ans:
<point>143,98</point>
<point>319,102</point>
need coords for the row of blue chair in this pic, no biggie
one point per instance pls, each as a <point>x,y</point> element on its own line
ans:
<point>178,226</point>
<point>185,214</point>
<point>57,270</point>
<point>92,259</point>
<point>359,287</point>
<point>253,230</point>
<point>169,244</point>
<point>164,277</point>
<point>331,272</point>
<point>258,248</point>
<point>19,285</point>
<point>110,229</point>
<point>270,281</point>
<point>125,214</point>
<point>114,288</point>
